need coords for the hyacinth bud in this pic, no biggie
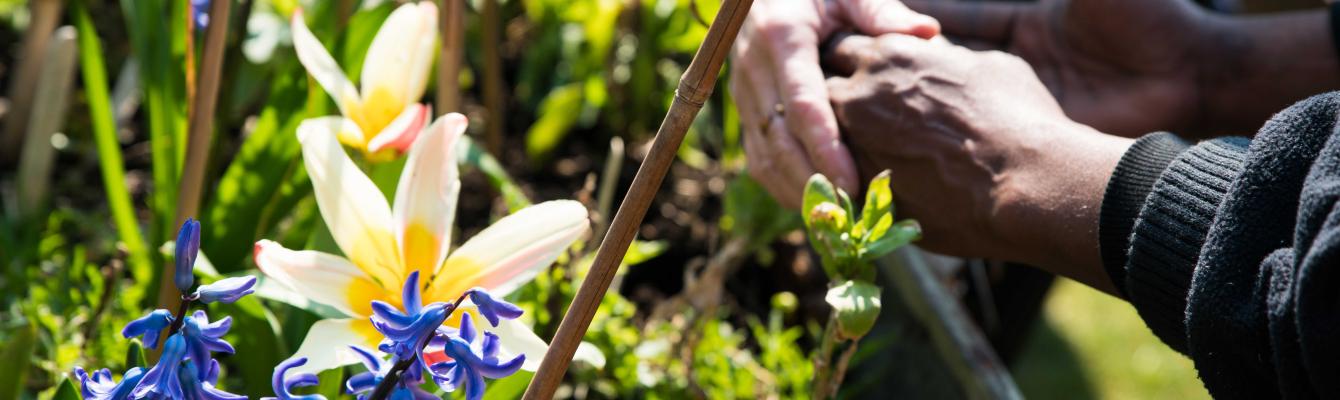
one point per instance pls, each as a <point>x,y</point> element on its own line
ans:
<point>829,217</point>
<point>188,245</point>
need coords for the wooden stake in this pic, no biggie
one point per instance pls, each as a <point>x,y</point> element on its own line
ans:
<point>494,99</point>
<point>200,130</point>
<point>451,20</point>
<point>695,86</point>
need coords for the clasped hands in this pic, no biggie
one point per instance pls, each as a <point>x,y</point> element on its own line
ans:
<point>981,150</point>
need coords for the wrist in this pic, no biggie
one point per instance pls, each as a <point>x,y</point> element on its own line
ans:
<point>1049,209</point>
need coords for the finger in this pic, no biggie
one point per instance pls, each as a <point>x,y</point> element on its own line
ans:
<point>991,21</point>
<point>791,166</point>
<point>808,116</point>
<point>762,166</point>
<point>878,17</point>
<point>845,53</point>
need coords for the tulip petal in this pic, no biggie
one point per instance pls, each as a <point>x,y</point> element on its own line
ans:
<point>327,344</point>
<point>313,55</point>
<point>395,69</point>
<point>351,205</point>
<point>510,252</point>
<point>425,203</point>
<point>515,337</point>
<point>401,133</point>
<point>324,278</point>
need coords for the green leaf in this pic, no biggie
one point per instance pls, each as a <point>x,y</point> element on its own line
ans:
<point>135,354</point>
<point>109,150</point>
<point>856,305</point>
<point>248,199</point>
<point>66,391</point>
<point>641,250</point>
<point>817,190</point>
<point>878,209</point>
<point>331,383</point>
<point>510,387</point>
<point>17,354</point>
<point>557,115</point>
<point>898,235</point>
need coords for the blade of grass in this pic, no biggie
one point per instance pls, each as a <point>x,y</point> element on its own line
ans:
<point>109,151</point>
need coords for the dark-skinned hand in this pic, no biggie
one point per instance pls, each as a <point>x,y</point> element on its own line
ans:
<point>980,152</point>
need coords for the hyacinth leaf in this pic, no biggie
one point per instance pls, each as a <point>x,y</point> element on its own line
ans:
<point>817,190</point>
<point>135,354</point>
<point>66,391</point>
<point>857,306</point>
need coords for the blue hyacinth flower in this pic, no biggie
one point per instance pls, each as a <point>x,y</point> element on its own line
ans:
<point>203,388</point>
<point>226,290</point>
<point>162,380</point>
<point>492,308</point>
<point>149,326</point>
<point>204,338</point>
<point>471,361</point>
<point>407,332</point>
<point>100,386</point>
<point>188,246</point>
<point>283,384</point>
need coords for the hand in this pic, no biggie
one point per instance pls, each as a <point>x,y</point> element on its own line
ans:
<point>1125,67</point>
<point>980,153</point>
<point>788,125</point>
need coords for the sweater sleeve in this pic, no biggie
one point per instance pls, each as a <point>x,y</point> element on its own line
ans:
<point>1216,256</point>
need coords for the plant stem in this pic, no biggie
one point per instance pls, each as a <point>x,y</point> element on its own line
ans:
<point>392,377</point>
<point>180,316</point>
<point>695,86</point>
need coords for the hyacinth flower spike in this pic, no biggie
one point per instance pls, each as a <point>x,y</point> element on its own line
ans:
<point>382,244</point>
<point>383,116</point>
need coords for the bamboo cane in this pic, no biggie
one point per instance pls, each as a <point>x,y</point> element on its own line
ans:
<point>494,98</point>
<point>452,26</point>
<point>695,86</point>
<point>199,133</point>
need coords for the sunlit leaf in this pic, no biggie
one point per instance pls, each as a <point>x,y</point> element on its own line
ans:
<point>856,305</point>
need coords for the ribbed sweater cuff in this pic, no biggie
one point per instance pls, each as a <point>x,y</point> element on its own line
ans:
<point>1126,191</point>
<point>1167,237</point>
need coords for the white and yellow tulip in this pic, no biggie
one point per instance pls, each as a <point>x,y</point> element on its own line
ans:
<point>382,243</point>
<point>384,113</point>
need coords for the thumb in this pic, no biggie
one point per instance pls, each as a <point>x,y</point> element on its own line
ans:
<point>878,17</point>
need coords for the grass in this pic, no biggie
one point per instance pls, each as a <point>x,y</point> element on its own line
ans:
<point>1091,345</point>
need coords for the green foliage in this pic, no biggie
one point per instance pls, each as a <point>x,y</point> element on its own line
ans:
<point>856,305</point>
<point>846,247</point>
<point>17,352</point>
<point>66,391</point>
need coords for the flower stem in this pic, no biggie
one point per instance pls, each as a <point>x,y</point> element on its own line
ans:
<point>180,316</point>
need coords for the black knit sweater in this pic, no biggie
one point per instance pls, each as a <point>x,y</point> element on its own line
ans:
<point>1230,251</point>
